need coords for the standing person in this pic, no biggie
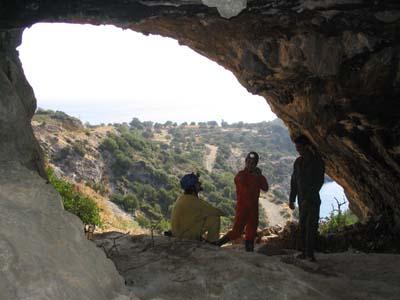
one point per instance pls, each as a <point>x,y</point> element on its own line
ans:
<point>248,182</point>
<point>191,216</point>
<point>307,179</point>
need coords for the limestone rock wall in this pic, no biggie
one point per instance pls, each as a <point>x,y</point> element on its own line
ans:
<point>43,252</point>
<point>17,106</point>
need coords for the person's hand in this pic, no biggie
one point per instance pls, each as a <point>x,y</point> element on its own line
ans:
<point>291,205</point>
<point>257,171</point>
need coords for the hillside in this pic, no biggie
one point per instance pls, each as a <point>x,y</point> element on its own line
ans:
<point>138,165</point>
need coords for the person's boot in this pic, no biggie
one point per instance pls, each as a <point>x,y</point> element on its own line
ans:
<point>222,241</point>
<point>249,245</point>
<point>310,256</point>
<point>302,255</point>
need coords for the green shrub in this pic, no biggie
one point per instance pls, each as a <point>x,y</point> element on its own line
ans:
<point>135,141</point>
<point>83,207</point>
<point>127,202</point>
<point>79,148</point>
<point>41,111</point>
<point>226,223</point>
<point>109,144</point>
<point>135,123</point>
<point>143,221</point>
<point>337,221</point>
<point>122,163</point>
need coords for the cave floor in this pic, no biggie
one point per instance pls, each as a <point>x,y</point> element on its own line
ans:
<point>166,268</point>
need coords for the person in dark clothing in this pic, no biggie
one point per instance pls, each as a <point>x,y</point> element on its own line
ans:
<point>248,183</point>
<point>307,179</point>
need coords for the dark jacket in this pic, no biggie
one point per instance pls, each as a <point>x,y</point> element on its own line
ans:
<point>307,179</point>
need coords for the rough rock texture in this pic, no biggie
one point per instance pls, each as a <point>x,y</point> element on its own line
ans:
<point>43,252</point>
<point>70,151</point>
<point>17,106</point>
<point>172,269</point>
<point>328,69</point>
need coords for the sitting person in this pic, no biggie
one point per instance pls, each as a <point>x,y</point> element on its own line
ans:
<point>192,217</point>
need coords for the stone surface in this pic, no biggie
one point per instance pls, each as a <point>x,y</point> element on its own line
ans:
<point>70,150</point>
<point>43,251</point>
<point>166,268</point>
<point>17,106</point>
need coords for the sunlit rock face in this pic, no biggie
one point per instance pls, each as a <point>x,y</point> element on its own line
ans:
<point>328,69</point>
<point>43,252</point>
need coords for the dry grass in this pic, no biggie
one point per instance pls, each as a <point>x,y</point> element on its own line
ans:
<point>113,219</point>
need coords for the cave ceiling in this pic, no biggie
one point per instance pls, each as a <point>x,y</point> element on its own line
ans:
<point>328,69</point>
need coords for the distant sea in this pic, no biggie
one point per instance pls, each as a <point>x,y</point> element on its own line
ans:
<point>100,113</point>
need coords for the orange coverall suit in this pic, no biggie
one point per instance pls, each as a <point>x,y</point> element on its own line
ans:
<point>247,191</point>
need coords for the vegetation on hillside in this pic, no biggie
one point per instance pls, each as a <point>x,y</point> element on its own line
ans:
<point>146,176</point>
<point>146,161</point>
<point>74,202</point>
<point>50,116</point>
<point>142,162</point>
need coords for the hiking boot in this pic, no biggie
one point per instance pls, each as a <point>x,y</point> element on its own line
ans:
<point>249,245</point>
<point>311,258</point>
<point>301,256</point>
<point>222,241</point>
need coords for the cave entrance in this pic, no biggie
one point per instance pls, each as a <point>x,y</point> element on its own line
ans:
<point>102,74</point>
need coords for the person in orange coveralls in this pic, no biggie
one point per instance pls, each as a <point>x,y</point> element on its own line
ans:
<point>248,182</point>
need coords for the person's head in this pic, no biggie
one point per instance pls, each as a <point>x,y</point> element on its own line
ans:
<point>251,161</point>
<point>191,184</point>
<point>302,144</point>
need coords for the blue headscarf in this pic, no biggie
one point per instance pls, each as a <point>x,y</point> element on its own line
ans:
<point>189,181</point>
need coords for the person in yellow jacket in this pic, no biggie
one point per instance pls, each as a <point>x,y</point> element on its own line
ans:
<point>193,217</point>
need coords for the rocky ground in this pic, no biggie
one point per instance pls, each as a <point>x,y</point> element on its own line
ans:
<point>166,268</point>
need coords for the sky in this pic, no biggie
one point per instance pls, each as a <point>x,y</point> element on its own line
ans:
<point>103,74</point>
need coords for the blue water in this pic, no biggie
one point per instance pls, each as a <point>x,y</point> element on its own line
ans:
<point>328,193</point>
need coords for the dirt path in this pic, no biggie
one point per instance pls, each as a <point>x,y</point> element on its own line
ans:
<point>210,156</point>
<point>272,211</point>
